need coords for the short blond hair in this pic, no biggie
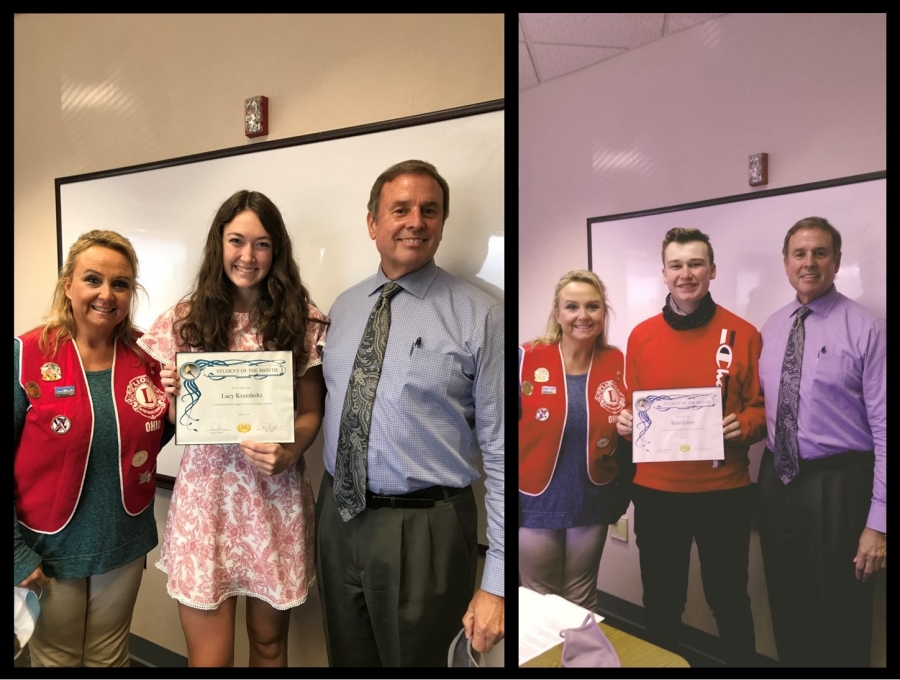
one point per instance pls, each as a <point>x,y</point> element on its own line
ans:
<point>553,336</point>
<point>60,322</point>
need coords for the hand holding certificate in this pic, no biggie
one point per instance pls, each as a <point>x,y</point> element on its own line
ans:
<point>678,425</point>
<point>227,397</point>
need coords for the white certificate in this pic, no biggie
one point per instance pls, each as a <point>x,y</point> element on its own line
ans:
<point>682,424</point>
<point>227,397</point>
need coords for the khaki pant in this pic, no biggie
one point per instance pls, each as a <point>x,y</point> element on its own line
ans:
<point>85,621</point>
<point>563,562</point>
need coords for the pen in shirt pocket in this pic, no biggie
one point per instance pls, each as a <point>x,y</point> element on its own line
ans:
<point>417,343</point>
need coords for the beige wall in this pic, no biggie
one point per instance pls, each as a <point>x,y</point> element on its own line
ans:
<point>98,92</point>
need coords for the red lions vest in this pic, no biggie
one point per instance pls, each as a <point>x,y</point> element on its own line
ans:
<point>52,454</point>
<point>542,380</point>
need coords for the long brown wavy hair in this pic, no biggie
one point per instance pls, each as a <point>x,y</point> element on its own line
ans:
<point>60,322</point>
<point>281,312</point>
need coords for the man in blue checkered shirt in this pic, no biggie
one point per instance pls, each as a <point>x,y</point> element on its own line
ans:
<point>397,580</point>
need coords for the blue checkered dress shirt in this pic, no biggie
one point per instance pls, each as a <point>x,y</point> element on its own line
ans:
<point>439,401</point>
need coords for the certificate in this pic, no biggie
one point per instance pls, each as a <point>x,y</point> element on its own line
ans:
<point>227,397</point>
<point>682,424</point>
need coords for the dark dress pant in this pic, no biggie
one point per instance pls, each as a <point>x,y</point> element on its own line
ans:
<point>395,582</point>
<point>809,532</point>
<point>665,526</point>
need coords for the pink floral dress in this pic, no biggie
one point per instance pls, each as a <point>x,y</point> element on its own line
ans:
<point>232,530</point>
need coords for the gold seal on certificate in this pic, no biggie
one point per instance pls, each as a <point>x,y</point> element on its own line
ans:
<point>227,397</point>
<point>678,425</point>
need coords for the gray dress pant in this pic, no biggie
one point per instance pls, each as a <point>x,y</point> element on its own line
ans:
<point>395,582</point>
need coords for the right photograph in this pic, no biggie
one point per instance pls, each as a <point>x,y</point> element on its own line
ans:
<point>702,340</point>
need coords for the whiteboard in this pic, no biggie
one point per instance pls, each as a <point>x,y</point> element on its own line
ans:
<point>321,184</point>
<point>747,234</point>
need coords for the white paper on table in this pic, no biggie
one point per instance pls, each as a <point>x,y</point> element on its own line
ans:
<point>541,617</point>
<point>677,425</point>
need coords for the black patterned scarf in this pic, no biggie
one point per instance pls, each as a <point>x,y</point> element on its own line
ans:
<point>697,318</point>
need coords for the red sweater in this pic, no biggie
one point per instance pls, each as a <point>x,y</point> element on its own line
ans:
<point>723,352</point>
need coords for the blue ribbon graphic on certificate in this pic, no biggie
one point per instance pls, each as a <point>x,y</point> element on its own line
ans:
<point>678,424</point>
<point>227,397</point>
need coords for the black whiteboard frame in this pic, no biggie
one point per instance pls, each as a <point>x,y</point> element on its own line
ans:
<point>852,179</point>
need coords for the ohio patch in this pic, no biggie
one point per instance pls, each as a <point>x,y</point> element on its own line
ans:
<point>145,397</point>
<point>610,396</point>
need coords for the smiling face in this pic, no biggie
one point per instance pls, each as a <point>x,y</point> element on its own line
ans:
<point>246,253</point>
<point>410,222</point>
<point>811,263</point>
<point>580,312</point>
<point>687,273</point>
<point>100,290</point>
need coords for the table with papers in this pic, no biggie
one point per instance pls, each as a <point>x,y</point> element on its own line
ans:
<point>541,617</point>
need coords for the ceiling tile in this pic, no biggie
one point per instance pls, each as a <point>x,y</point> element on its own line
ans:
<point>679,20</point>
<point>553,61</point>
<point>558,44</point>
<point>593,29</point>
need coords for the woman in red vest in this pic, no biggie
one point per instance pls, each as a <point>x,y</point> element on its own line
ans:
<point>89,417</point>
<point>574,471</point>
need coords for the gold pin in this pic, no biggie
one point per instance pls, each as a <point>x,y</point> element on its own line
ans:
<point>527,388</point>
<point>541,375</point>
<point>139,458</point>
<point>33,390</point>
<point>602,443</point>
<point>50,372</point>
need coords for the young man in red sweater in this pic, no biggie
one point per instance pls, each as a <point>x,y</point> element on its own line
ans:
<point>697,343</point>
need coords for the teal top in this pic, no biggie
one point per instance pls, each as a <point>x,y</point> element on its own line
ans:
<point>101,536</point>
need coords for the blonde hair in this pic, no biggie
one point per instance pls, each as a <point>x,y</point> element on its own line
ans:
<point>60,321</point>
<point>554,332</point>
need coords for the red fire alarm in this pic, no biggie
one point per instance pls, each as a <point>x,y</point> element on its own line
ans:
<point>256,116</point>
<point>759,169</point>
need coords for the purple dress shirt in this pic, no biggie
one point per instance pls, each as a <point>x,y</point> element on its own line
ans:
<point>842,384</point>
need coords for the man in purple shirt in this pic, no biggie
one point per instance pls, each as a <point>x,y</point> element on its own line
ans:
<point>823,517</point>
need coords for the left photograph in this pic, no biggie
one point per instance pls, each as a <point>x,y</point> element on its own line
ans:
<point>259,397</point>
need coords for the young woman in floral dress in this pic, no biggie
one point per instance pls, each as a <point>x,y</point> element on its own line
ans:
<point>241,520</point>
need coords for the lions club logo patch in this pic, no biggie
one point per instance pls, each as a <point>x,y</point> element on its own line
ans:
<point>610,396</point>
<point>145,397</point>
